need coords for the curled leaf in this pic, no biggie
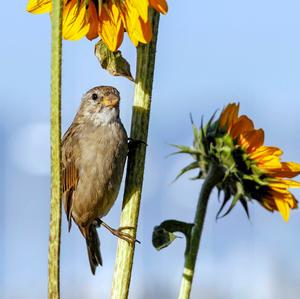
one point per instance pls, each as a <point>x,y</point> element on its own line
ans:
<point>113,62</point>
<point>163,234</point>
<point>161,238</point>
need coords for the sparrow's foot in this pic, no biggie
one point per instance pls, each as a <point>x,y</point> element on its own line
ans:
<point>118,232</point>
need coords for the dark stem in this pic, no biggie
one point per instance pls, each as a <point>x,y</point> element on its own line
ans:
<point>214,176</point>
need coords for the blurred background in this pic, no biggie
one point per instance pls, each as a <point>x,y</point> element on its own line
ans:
<point>209,53</point>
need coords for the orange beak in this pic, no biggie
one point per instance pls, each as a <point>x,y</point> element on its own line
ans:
<point>111,101</point>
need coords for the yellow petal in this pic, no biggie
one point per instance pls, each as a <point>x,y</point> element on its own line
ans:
<point>137,29</point>
<point>159,5</point>
<point>291,183</point>
<point>75,22</point>
<point>283,208</point>
<point>268,203</point>
<point>110,26</point>
<point>279,187</point>
<point>269,164</point>
<point>39,6</point>
<point>287,170</point>
<point>293,166</point>
<point>265,151</point>
<point>284,195</point>
<point>142,8</point>
<point>291,201</point>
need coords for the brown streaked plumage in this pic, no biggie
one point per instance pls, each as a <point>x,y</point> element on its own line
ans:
<point>94,151</point>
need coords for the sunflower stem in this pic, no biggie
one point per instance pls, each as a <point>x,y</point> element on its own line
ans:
<point>136,161</point>
<point>55,213</point>
<point>213,177</point>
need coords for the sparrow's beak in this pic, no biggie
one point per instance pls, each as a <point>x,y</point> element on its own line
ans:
<point>111,101</point>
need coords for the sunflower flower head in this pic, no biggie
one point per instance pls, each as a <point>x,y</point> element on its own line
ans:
<point>250,170</point>
<point>108,19</point>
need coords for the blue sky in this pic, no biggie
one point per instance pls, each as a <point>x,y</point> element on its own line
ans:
<point>209,53</point>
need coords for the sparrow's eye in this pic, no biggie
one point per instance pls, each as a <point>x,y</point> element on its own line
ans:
<point>94,96</point>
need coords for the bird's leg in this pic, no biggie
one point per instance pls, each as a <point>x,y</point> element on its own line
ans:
<point>133,143</point>
<point>118,232</point>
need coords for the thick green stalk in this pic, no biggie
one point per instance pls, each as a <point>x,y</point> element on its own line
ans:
<point>136,161</point>
<point>55,214</point>
<point>213,177</point>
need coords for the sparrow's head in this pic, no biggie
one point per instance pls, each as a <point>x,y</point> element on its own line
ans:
<point>100,105</point>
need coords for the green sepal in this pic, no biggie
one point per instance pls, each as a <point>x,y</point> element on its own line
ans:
<point>185,150</point>
<point>245,206</point>
<point>191,166</point>
<point>226,198</point>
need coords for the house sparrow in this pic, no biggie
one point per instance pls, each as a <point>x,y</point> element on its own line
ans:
<point>94,151</point>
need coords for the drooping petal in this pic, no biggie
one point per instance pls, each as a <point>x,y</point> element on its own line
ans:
<point>265,151</point>
<point>229,116</point>
<point>39,6</point>
<point>93,20</point>
<point>142,8</point>
<point>280,199</point>
<point>287,170</point>
<point>263,163</point>
<point>251,140</point>
<point>107,18</point>
<point>291,183</point>
<point>75,21</point>
<point>268,164</point>
<point>110,26</point>
<point>283,208</point>
<point>242,125</point>
<point>137,29</point>
<point>268,203</point>
<point>147,31</point>
<point>279,186</point>
<point>159,5</point>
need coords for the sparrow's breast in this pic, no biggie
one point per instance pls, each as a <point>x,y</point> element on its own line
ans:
<point>103,153</point>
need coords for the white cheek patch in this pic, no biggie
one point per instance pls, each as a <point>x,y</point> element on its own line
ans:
<point>105,116</point>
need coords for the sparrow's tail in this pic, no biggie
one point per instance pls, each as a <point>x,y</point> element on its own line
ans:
<point>93,248</point>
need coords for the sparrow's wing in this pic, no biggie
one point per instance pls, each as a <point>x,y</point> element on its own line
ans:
<point>69,171</point>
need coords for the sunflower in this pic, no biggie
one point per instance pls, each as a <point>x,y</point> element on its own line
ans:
<point>248,170</point>
<point>105,18</point>
<point>271,187</point>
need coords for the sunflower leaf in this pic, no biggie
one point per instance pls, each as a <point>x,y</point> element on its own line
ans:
<point>113,62</point>
<point>163,234</point>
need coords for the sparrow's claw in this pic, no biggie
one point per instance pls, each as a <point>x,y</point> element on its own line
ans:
<point>124,236</point>
<point>125,227</point>
<point>118,232</point>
